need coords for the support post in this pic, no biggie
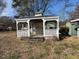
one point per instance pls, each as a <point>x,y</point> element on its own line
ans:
<point>28,28</point>
<point>17,28</point>
<point>44,27</point>
<point>58,28</point>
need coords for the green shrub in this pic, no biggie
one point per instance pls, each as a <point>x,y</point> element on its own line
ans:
<point>64,31</point>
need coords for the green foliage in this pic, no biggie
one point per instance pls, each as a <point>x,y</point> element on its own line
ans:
<point>64,31</point>
<point>26,2</point>
<point>7,21</point>
<point>22,13</point>
<point>15,3</point>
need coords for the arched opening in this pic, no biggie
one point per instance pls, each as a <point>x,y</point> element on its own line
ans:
<point>51,24</point>
<point>36,27</point>
<point>22,25</point>
<point>51,28</point>
<point>22,29</point>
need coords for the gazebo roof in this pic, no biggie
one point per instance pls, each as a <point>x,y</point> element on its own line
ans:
<point>76,20</point>
<point>38,17</point>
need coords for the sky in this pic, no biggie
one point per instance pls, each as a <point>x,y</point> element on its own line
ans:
<point>8,10</point>
<point>57,8</point>
<point>54,8</point>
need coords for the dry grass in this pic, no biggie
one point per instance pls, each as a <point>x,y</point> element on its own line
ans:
<point>13,48</point>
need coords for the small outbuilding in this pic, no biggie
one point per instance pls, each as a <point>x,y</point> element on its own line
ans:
<point>38,26</point>
<point>73,26</point>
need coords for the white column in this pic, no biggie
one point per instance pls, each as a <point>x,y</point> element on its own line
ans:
<point>28,28</point>
<point>58,28</point>
<point>44,27</point>
<point>17,27</point>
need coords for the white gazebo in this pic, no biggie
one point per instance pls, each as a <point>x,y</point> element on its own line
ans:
<point>38,26</point>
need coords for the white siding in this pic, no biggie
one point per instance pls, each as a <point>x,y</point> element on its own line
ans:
<point>51,32</point>
<point>22,33</point>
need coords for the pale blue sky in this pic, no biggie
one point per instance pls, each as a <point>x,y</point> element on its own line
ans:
<point>55,8</point>
<point>8,11</point>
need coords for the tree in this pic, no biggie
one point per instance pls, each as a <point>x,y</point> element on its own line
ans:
<point>2,5</point>
<point>66,5</point>
<point>8,21</point>
<point>75,14</point>
<point>29,7</point>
